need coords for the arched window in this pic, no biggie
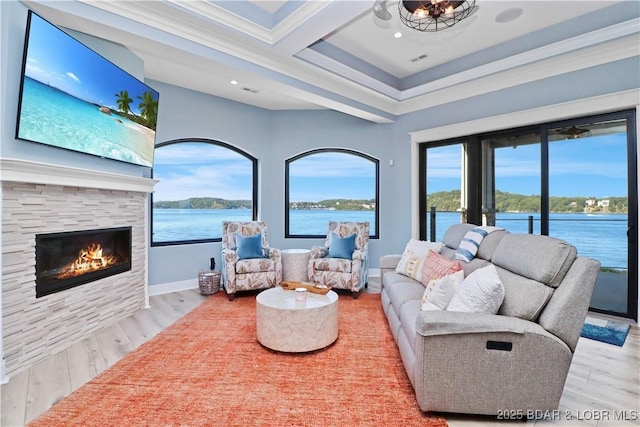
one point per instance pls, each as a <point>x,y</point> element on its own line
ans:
<point>201,183</point>
<point>330,184</point>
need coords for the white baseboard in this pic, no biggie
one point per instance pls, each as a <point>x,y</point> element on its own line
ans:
<point>167,288</point>
<point>374,272</point>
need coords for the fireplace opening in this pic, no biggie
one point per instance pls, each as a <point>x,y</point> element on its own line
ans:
<point>69,259</point>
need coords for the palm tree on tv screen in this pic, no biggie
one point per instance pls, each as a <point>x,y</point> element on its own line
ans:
<point>123,101</point>
<point>148,108</point>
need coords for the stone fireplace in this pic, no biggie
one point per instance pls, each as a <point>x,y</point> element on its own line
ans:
<point>48,207</point>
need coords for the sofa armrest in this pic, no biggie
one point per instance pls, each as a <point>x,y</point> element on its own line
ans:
<point>440,322</point>
<point>388,263</point>
<point>484,364</point>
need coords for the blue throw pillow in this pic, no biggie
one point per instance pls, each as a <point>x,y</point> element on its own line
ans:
<point>249,247</point>
<point>342,247</point>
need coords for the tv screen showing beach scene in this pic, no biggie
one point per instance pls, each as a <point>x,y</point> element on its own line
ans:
<point>71,97</point>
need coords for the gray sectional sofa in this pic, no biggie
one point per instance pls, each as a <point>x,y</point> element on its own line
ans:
<point>516,360</point>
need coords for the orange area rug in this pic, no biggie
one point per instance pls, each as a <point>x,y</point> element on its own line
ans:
<point>208,369</point>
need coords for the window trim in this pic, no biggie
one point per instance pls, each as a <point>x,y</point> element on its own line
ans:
<point>376,162</point>
<point>254,189</point>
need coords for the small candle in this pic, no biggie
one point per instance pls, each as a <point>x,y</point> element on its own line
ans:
<point>301,294</point>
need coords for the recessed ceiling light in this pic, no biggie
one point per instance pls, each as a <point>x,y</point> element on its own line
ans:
<point>509,15</point>
<point>397,34</point>
<point>234,82</point>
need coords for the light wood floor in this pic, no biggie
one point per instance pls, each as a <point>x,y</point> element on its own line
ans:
<point>603,380</point>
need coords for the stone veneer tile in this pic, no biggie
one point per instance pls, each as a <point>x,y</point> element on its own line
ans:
<point>35,328</point>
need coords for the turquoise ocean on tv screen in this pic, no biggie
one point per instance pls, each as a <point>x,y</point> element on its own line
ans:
<point>600,236</point>
<point>51,116</point>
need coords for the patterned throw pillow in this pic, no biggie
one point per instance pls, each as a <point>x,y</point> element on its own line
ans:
<point>470,243</point>
<point>413,257</point>
<point>436,266</point>
<point>439,292</point>
<point>480,292</point>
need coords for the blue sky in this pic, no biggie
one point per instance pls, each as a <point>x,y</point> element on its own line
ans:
<point>188,170</point>
<point>331,176</point>
<point>57,59</point>
<point>205,170</point>
<point>590,167</point>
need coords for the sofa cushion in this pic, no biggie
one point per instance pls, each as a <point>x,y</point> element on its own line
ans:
<point>439,292</point>
<point>436,266</point>
<point>480,292</point>
<point>524,298</point>
<point>255,265</point>
<point>413,257</point>
<point>339,265</point>
<point>489,244</point>
<point>401,292</point>
<point>454,234</point>
<point>408,314</point>
<point>541,258</point>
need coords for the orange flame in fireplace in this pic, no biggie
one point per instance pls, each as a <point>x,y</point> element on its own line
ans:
<point>89,259</point>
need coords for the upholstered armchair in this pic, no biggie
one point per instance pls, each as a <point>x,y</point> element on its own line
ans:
<point>247,260</point>
<point>343,261</point>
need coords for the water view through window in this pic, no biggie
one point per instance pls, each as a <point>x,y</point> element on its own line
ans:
<point>201,184</point>
<point>330,185</point>
<point>570,180</point>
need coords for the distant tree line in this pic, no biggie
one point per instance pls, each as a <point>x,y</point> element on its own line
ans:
<point>217,203</point>
<point>336,204</point>
<point>510,202</point>
<point>203,203</point>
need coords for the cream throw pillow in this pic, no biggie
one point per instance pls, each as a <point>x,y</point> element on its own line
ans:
<point>439,292</point>
<point>480,292</point>
<point>413,257</point>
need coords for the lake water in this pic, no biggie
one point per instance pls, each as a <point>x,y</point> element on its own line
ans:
<point>62,120</point>
<point>601,236</point>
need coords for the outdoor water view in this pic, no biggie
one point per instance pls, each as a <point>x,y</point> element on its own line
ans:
<point>202,184</point>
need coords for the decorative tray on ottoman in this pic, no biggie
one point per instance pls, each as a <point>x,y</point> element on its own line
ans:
<point>310,287</point>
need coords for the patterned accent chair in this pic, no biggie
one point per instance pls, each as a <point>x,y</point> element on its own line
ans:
<point>247,274</point>
<point>350,274</point>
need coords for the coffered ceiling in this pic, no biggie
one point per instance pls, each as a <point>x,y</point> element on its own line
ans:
<point>336,54</point>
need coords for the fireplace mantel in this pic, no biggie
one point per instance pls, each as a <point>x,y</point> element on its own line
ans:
<point>17,170</point>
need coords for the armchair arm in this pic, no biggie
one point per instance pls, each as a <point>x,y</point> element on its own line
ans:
<point>358,254</point>
<point>229,260</point>
<point>318,252</point>
<point>273,253</point>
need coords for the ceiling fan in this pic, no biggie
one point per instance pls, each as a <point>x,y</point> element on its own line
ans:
<point>574,132</point>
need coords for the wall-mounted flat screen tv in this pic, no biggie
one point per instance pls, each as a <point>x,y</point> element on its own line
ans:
<point>71,97</point>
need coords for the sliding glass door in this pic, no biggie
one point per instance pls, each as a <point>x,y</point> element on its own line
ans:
<point>443,191</point>
<point>512,181</point>
<point>589,202</point>
<point>574,180</point>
